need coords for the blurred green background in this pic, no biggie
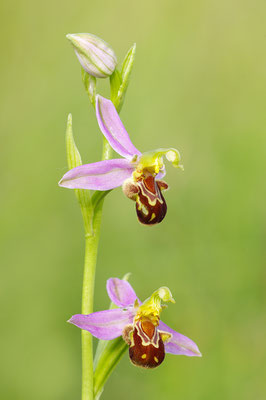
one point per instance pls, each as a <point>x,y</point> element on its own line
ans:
<point>198,84</point>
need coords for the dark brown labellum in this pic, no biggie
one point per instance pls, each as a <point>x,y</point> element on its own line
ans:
<point>150,204</point>
<point>147,348</point>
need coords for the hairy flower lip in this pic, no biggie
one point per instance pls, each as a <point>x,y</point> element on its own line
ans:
<point>109,324</point>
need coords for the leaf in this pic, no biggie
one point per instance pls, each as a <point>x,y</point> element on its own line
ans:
<point>115,83</point>
<point>74,160</point>
<point>125,76</point>
<point>90,85</point>
<point>112,351</point>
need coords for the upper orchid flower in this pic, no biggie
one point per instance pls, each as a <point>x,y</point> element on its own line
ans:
<point>139,173</point>
<point>138,324</point>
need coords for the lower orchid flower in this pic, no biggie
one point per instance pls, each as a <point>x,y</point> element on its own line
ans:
<point>139,324</point>
<point>138,173</point>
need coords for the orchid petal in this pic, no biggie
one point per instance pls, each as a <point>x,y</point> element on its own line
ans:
<point>102,175</point>
<point>113,129</point>
<point>121,292</point>
<point>105,325</point>
<point>179,344</point>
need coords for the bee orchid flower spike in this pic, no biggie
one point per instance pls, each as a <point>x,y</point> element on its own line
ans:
<point>139,324</point>
<point>138,173</point>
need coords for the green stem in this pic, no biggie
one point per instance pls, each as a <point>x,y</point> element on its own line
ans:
<point>91,250</point>
<point>87,308</point>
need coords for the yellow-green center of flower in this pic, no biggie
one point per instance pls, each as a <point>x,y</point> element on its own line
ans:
<point>151,308</point>
<point>152,162</point>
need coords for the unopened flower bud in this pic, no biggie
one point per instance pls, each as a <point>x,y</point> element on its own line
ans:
<point>94,54</point>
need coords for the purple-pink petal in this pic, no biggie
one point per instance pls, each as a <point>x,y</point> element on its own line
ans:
<point>121,292</point>
<point>102,175</point>
<point>113,129</point>
<point>105,325</point>
<point>161,174</point>
<point>179,344</point>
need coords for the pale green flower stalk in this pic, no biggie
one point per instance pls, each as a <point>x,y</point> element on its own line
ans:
<point>98,61</point>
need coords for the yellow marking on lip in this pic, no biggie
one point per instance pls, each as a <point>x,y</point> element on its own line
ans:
<point>144,210</point>
<point>152,217</point>
<point>144,356</point>
<point>156,359</point>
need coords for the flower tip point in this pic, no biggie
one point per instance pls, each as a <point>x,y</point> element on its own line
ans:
<point>126,276</point>
<point>197,353</point>
<point>179,166</point>
<point>70,37</point>
<point>61,183</point>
